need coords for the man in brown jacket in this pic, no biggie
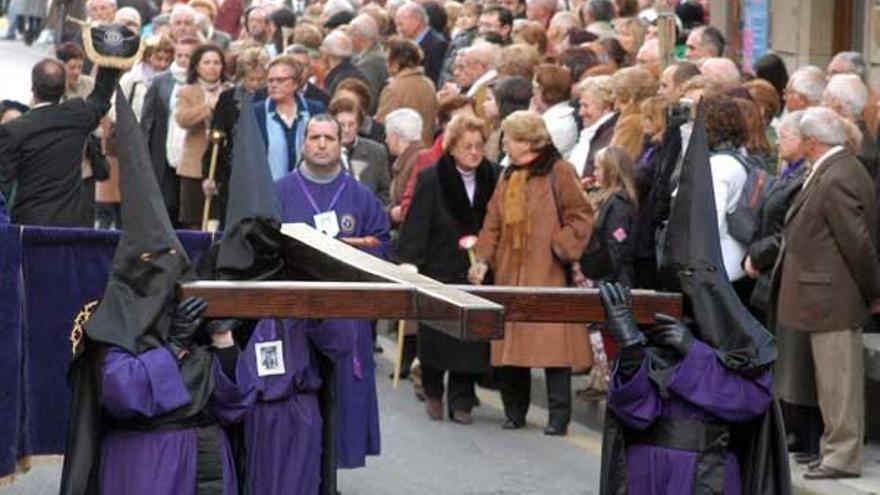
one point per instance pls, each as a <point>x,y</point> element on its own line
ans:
<point>829,279</point>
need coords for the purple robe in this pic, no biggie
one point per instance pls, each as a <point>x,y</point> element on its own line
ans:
<point>701,389</point>
<point>283,425</point>
<point>360,214</point>
<point>155,462</point>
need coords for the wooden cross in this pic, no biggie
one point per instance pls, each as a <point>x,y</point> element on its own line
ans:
<point>349,283</point>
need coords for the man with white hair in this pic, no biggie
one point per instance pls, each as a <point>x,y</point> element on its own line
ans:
<point>183,23</point>
<point>854,63</point>
<point>101,11</point>
<point>648,57</point>
<point>368,55</point>
<point>475,67</point>
<point>557,32</point>
<point>804,88</point>
<point>541,11</point>
<point>336,52</point>
<point>829,283</point>
<point>847,95</point>
<point>128,17</point>
<point>720,75</point>
<point>411,21</point>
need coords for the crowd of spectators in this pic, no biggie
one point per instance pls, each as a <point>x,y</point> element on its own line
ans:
<point>565,130</point>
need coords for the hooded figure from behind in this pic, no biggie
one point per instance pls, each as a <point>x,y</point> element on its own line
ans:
<point>140,379</point>
<point>691,407</point>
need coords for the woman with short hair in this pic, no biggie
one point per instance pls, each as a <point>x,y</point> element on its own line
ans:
<point>552,92</point>
<point>597,113</point>
<point>537,225</point>
<point>449,204</point>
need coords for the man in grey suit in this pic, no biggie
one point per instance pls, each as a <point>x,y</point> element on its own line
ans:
<point>364,159</point>
<point>829,281</point>
<point>368,55</point>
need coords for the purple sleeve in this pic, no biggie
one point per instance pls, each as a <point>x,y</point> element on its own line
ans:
<point>376,224</point>
<point>232,400</point>
<point>336,339</point>
<point>702,380</point>
<point>148,384</point>
<point>636,402</point>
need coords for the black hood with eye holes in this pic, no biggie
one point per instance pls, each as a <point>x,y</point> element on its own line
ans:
<point>134,313</point>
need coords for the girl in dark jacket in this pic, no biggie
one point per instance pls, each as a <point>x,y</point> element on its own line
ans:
<point>609,255</point>
<point>449,203</point>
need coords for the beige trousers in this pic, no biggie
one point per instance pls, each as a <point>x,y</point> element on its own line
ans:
<point>840,383</point>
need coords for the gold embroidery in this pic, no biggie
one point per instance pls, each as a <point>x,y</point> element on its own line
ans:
<point>76,335</point>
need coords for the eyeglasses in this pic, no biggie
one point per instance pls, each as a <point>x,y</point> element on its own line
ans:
<point>278,80</point>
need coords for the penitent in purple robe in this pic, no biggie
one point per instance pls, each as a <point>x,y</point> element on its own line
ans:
<point>283,426</point>
<point>158,462</point>
<point>701,389</point>
<point>359,213</point>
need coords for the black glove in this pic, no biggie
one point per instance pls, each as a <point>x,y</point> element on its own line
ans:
<point>619,318</point>
<point>222,325</point>
<point>671,334</point>
<point>185,322</point>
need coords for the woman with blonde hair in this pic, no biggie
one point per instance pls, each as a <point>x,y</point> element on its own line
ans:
<point>597,114</point>
<point>631,35</point>
<point>537,225</point>
<point>630,87</point>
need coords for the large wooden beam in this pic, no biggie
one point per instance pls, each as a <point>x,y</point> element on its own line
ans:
<point>327,259</point>
<point>564,305</point>
<point>370,300</point>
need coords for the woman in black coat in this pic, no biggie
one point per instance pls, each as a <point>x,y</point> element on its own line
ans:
<point>449,203</point>
<point>251,80</point>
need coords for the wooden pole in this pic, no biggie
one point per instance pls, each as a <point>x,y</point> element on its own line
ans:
<point>665,33</point>
<point>216,138</point>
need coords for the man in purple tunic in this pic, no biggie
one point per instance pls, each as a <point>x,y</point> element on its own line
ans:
<point>276,377</point>
<point>143,402</point>
<point>320,193</point>
<point>690,404</point>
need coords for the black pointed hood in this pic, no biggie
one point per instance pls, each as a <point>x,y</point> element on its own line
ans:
<point>693,262</point>
<point>251,245</point>
<point>149,260</point>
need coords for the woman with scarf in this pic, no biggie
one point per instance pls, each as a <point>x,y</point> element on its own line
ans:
<point>537,225</point>
<point>205,80</point>
<point>449,203</point>
<point>135,83</point>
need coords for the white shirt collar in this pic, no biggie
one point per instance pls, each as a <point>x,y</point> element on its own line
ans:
<point>821,161</point>
<point>482,81</point>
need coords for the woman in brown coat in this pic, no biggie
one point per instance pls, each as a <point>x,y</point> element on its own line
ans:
<point>537,225</point>
<point>195,107</point>
<point>408,86</point>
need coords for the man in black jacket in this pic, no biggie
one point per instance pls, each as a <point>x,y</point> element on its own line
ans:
<point>41,152</point>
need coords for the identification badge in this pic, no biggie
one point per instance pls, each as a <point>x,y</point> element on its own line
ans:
<point>270,358</point>
<point>327,223</point>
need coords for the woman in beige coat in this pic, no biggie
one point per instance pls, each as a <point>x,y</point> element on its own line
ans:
<point>195,106</point>
<point>408,86</point>
<point>537,225</point>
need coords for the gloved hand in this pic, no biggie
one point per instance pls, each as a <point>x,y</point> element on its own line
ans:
<point>185,321</point>
<point>619,320</point>
<point>671,334</point>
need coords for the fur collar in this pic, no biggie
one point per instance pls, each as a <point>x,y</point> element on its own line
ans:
<point>468,217</point>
